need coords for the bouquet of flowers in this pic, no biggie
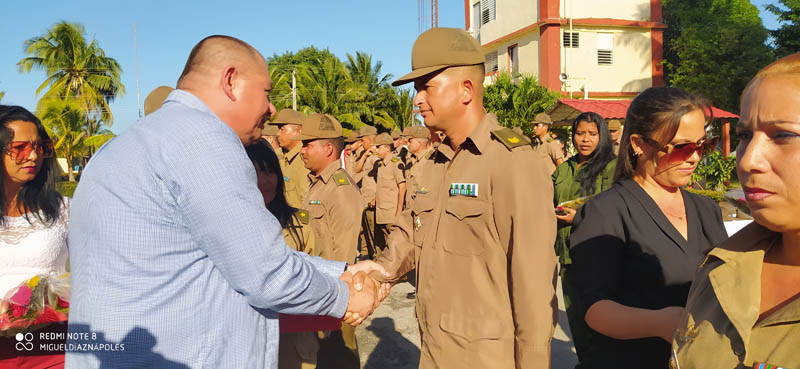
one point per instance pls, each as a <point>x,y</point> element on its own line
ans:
<point>39,300</point>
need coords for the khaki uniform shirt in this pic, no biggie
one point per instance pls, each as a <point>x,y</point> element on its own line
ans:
<point>390,176</point>
<point>483,254</point>
<point>412,173</point>
<point>334,209</point>
<point>720,327</point>
<point>295,177</point>
<point>351,158</point>
<point>369,179</point>
<point>549,148</point>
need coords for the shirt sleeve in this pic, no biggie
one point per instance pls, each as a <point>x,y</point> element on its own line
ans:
<point>399,176</point>
<point>555,151</point>
<point>526,223</point>
<point>214,184</point>
<point>597,249</point>
<point>345,215</point>
<point>399,256</point>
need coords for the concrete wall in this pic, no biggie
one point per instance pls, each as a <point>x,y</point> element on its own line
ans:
<point>638,10</point>
<point>528,53</point>
<point>631,70</point>
<point>511,16</point>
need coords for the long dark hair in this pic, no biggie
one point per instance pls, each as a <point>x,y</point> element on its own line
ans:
<point>599,158</point>
<point>38,196</point>
<point>656,114</point>
<point>264,159</point>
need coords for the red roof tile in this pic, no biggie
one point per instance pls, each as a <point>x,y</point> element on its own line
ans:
<point>568,109</point>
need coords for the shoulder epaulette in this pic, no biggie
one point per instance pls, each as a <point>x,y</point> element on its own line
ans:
<point>395,159</point>
<point>509,138</point>
<point>341,179</point>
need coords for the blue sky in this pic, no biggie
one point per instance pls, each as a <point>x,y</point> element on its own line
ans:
<point>167,30</point>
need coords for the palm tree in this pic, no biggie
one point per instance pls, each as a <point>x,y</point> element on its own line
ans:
<point>76,70</point>
<point>325,86</point>
<point>2,93</point>
<point>63,119</point>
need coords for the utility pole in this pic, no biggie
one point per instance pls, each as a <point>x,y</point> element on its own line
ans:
<point>294,91</point>
<point>434,13</point>
<point>136,52</point>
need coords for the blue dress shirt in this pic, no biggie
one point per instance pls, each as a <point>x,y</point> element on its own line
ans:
<point>176,263</point>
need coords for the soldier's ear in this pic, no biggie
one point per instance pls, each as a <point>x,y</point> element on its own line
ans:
<point>467,91</point>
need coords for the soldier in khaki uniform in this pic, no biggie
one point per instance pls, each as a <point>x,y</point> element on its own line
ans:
<point>391,190</point>
<point>545,144</point>
<point>295,175</point>
<point>352,144</point>
<point>482,238</point>
<point>367,169</point>
<point>743,309</point>
<point>419,146</point>
<point>334,214</point>
<point>615,130</point>
<point>270,133</point>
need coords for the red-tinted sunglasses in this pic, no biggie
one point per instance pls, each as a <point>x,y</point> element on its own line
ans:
<point>21,150</point>
<point>681,152</point>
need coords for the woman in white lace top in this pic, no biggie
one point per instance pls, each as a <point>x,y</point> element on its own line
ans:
<point>33,229</point>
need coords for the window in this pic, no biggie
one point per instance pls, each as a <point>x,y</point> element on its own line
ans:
<point>475,30</point>
<point>490,61</point>
<point>513,60</point>
<point>605,48</point>
<point>488,13</point>
<point>571,39</point>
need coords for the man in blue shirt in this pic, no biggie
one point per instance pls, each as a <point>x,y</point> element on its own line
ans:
<point>175,261</point>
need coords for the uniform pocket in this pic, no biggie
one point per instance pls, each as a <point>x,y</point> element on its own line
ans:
<point>474,328</point>
<point>422,219</point>
<point>465,225</point>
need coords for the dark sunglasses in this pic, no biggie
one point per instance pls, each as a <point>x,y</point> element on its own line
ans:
<point>21,150</point>
<point>681,152</point>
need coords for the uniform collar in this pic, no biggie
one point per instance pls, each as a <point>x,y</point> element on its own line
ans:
<point>327,173</point>
<point>737,281</point>
<point>293,153</point>
<point>538,140</point>
<point>477,139</point>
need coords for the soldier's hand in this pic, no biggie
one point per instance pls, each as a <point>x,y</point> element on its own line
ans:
<point>363,297</point>
<point>368,267</point>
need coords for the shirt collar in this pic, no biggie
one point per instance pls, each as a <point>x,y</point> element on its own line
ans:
<point>477,139</point>
<point>326,173</point>
<point>293,153</point>
<point>188,99</point>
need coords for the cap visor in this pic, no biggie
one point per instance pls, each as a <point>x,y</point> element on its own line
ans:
<point>418,73</point>
<point>302,137</point>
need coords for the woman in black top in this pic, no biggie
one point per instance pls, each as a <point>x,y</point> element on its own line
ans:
<point>636,246</point>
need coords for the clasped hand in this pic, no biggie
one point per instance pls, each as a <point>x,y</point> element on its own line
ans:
<point>366,293</point>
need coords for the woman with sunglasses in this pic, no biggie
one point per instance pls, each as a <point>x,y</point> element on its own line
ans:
<point>33,229</point>
<point>588,173</point>
<point>744,305</point>
<point>635,247</point>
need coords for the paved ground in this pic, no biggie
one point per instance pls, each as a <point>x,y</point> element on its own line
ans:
<point>390,338</point>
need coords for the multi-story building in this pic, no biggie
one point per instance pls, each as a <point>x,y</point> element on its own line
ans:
<point>594,48</point>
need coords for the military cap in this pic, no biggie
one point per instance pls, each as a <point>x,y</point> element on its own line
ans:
<point>439,48</point>
<point>419,132</point>
<point>542,118</point>
<point>367,131</point>
<point>351,137</point>
<point>269,130</point>
<point>383,139</point>
<point>395,134</point>
<point>614,125</point>
<point>288,116</point>
<point>155,98</point>
<point>318,126</point>
<point>407,131</point>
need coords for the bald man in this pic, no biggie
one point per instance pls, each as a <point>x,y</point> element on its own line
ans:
<point>176,262</point>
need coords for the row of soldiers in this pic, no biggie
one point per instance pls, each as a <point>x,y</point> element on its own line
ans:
<point>344,202</point>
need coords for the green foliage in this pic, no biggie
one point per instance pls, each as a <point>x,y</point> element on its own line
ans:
<point>715,170</point>
<point>66,188</point>
<point>516,103</point>
<point>355,92</point>
<point>787,37</point>
<point>76,70</point>
<point>2,93</point>
<point>714,47</point>
<point>717,196</point>
<point>64,121</point>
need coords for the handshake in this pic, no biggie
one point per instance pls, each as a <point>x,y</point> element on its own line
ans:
<point>366,292</point>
